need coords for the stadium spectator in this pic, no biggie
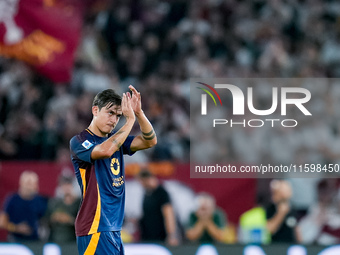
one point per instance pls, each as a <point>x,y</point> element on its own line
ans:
<point>321,225</point>
<point>253,224</point>
<point>158,222</point>
<point>22,211</point>
<point>281,220</point>
<point>62,211</point>
<point>207,223</point>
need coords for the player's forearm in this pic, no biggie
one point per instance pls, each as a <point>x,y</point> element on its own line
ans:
<point>111,145</point>
<point>148,133</point>
<point>115,141</point>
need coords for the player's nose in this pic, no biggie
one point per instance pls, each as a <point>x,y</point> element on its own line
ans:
<point>114,119</point>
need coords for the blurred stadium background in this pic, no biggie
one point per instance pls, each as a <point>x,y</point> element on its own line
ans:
<point>55,55</point>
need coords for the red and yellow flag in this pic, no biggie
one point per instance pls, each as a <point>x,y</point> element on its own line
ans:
<point>43,33</point>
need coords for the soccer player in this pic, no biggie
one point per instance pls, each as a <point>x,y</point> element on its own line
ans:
<point>97,157</point>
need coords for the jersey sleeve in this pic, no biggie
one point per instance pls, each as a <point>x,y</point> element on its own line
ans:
<point>164,197</point>
<point>127,145</point>
<point>81,149</point>
<point>8,204</point>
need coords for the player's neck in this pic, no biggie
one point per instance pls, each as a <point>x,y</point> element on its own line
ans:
<point>95,130</point>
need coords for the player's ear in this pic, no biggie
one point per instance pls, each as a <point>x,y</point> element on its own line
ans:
<point>95,110</point>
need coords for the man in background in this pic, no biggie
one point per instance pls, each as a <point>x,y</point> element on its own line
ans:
<point>23,210</point>
<point>158,222</point>
<point>207,223</point>
<point>281,219</point>
<point>62,211</point>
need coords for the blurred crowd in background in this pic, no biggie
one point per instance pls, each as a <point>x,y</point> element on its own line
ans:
<point>157,46</point>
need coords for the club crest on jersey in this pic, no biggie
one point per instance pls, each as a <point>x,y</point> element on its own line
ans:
<point>115,167</point>
<point>87,145</point>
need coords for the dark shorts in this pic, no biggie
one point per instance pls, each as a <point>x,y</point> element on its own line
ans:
<point>102,243</point>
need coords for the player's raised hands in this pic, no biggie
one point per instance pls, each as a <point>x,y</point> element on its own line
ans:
<point>126,106</point>
<point>136,102</point>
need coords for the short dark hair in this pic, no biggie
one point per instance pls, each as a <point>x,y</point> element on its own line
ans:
<point>107,98</point>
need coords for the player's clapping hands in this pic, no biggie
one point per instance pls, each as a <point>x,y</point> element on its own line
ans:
<point>135,100</point>
<point>127,109</point>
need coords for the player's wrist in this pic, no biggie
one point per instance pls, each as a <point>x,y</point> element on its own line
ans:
<point>130,118</point>
<point>139,113</point>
